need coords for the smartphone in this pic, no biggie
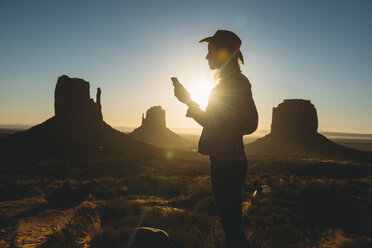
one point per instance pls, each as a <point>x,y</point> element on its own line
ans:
<point>175,81</point>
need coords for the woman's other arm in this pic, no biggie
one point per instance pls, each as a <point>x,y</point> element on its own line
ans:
<point>242,114</point>
<point>248,116</point>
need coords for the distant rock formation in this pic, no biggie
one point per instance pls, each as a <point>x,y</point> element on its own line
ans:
<point>155,118</point>
<point>294,131</point>
<point>76,129</point>
<point>294,118</point>
<point>72,101</point>
<point>154,131</point>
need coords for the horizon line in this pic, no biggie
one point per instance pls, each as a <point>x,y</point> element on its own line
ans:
<point>196,129</point>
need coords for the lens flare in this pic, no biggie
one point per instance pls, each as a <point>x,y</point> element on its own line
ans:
<point>200,91</point>
<point>222,55</point>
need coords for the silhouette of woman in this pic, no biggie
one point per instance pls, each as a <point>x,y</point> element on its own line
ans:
<point>230,114</point>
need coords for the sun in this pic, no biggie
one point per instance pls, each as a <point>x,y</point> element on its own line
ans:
<point>199,93</point>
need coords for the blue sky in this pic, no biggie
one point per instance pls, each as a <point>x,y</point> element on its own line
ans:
<point>316,50</point>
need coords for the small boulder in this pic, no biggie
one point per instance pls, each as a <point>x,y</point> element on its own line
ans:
<point>149,237</point>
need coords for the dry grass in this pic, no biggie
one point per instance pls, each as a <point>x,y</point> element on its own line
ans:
<point>311,203</point>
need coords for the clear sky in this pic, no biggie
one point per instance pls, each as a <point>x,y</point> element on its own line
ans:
<point>316,50</point>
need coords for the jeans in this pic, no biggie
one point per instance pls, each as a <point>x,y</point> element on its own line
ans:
<point>227,179</point>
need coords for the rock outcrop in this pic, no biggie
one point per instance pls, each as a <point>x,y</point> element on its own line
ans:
<point>72,101</point>
<point>294,131</point>
<point>154,131</point>
<point>294,118</point>
<point>76,129</point>
<point>149,237</point>
<point>155,118</point>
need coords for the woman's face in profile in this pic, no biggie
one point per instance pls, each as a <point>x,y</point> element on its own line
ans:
<point>216,57</point>
<point>212,57</point>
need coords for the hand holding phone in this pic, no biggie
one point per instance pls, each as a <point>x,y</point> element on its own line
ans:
<point>180,92</point>
<point>176,83</point>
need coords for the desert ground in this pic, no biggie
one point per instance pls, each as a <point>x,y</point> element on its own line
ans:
<point>292,201</point>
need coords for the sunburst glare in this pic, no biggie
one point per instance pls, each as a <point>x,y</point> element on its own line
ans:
<point>200,91</point>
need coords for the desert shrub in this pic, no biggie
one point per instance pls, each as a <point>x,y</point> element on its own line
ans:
<point>106,188</point>
<point>6,222</point>
<point>84,222</point>
<point>118,208</point>
<point>111,236</point>
<point>337,238</point>
<point>66,194</point>
<point>297,210</point>
<point>186,228</point>
<point>15,190</point>
<point>149,184</point>
<point>198,189</point>
<point>64,238</point>
<point>119,217</point>
<point>336,203</point>
<point>207,206</point>
<point>358,242</point>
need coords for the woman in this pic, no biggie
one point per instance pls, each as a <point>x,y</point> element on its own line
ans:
<point>230,114</point>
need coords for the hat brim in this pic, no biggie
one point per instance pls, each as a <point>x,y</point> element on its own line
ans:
<point>208,39</point>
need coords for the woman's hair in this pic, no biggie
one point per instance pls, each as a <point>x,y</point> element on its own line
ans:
<point>231,65</point>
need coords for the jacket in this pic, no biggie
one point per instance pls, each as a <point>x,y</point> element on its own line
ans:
<point>230,114</point>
